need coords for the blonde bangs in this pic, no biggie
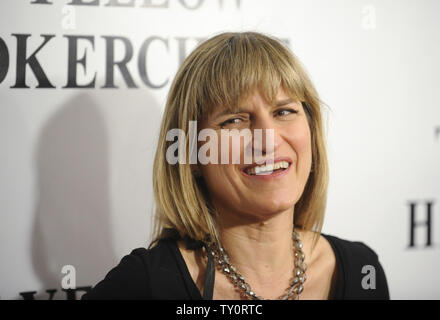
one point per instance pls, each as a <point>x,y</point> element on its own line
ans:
<point>241,64</point>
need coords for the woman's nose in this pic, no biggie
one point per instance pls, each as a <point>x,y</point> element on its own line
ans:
<point>265,136</point>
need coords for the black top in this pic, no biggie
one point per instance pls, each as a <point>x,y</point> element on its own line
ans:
<point>161,273</point>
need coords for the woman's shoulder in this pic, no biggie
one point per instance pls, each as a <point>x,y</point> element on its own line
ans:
<point>138,274</point>
<point>353,249</point>
<point>360,273</point>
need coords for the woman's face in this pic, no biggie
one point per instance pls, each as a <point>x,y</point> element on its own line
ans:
<point>238,189</point>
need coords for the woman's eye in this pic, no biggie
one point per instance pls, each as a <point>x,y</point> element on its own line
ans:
<point>286,112</point>
<point>231,121</point>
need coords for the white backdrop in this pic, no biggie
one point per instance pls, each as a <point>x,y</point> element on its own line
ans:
<point>76,163</point>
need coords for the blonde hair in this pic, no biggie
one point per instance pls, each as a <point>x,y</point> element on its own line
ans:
<point>220,72</point>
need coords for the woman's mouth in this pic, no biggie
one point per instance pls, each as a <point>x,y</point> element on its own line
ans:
<point>267,171</point>
<point>268,168</point>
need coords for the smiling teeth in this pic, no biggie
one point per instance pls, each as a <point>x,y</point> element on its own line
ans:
<point>269,168</point>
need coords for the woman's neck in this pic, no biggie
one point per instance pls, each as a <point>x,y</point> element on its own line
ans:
<point>260,249</point>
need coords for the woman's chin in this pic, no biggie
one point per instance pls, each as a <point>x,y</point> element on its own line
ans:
<point>271,207</point>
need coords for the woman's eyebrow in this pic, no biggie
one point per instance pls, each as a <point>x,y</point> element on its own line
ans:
<point>279,103</point>
<point>283,102</point>
<point>227,111</point>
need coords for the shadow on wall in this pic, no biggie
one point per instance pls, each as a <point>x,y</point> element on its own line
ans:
<point>72,219</point>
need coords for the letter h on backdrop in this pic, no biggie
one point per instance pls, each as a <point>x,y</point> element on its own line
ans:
<point>427,224</point>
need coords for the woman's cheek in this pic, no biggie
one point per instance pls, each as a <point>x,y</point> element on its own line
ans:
<point>299,137</point>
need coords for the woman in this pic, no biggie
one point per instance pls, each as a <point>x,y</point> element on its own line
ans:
<point>237,229</point>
